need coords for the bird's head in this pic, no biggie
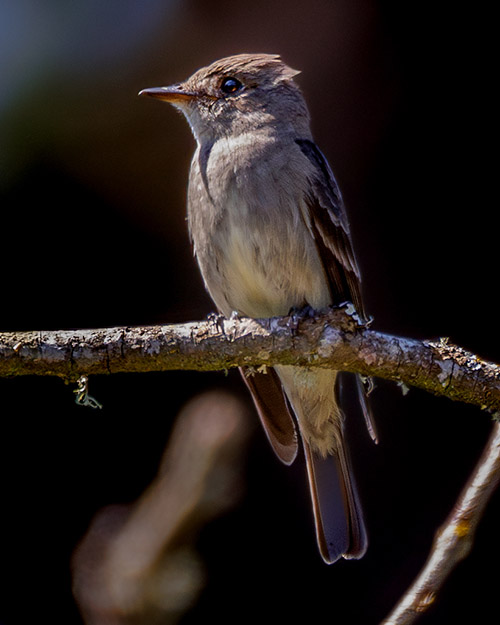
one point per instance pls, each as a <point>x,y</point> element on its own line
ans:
<point>238,94</point>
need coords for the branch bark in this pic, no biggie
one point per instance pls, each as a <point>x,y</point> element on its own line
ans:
<point>333,338</point>
<point>453,540</point>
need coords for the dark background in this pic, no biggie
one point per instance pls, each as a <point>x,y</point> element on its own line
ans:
<point>93,234</point>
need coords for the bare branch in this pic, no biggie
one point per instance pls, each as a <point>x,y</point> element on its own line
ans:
<point>333,338</point>
<point>453,540</point>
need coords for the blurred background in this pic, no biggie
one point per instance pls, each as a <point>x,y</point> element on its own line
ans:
<point>93,233</point>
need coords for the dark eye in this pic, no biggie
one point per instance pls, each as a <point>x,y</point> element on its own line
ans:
<point>230,85</point>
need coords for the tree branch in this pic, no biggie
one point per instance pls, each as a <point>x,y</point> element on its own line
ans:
<point>453,540</point>
<point>333,338</point>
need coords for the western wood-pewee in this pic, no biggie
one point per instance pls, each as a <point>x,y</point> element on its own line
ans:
<point>270,234</point>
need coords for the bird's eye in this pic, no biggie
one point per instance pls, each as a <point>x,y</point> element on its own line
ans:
<point>230,85</point>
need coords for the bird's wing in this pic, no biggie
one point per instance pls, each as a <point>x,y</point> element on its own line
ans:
<point>326,218</point>
<point>273,412</point>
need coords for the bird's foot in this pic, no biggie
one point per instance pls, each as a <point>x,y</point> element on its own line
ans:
<point>353,313</point>
<point>298,314</point>
<point>217,319</point>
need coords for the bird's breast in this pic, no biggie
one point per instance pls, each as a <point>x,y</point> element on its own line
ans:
<point>256,254</point>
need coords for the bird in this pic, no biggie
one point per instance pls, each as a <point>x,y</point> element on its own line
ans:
<point>270,234</point>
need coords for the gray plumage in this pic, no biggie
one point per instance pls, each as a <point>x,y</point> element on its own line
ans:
<point>270,234</point>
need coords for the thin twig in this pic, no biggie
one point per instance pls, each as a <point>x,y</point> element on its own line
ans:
<point>453,540</point>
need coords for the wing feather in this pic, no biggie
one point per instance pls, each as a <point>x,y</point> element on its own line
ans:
<point>273,411</point>
<point>327,221</point>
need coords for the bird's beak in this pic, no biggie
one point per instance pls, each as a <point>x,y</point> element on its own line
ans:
<point>174,94</point>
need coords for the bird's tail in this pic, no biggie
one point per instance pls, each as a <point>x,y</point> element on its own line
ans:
<point>340,528</point>
<point>316,397</point>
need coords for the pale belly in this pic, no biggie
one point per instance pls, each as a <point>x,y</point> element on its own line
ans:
<point>263,273</point>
